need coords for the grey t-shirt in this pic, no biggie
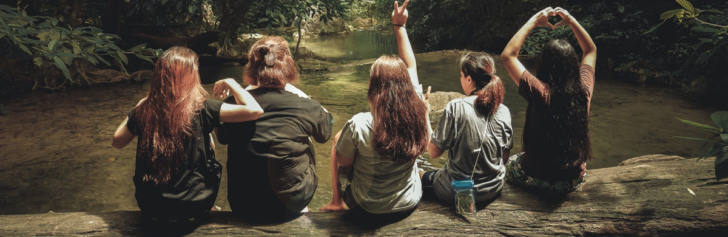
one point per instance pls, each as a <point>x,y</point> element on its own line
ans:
<point>465,133</point>
<point>378,185</point>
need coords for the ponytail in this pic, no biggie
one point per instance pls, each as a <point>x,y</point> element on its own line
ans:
<point>490,97</point>
<point>489,88</point>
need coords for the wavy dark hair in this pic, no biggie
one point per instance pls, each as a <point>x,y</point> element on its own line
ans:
<point>399,126</point>
<point>564,135</point>
<point>270,63</point>
<point>165,116</point>
<point>480,67</point>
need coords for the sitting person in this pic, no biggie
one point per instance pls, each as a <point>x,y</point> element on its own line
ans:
<point>380,147</point>
<point>177,176</point>
<point>271,161</point>
<point>476,131</point>
<point>556,142</point>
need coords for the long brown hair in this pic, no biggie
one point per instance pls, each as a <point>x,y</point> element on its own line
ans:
<point>399,127</point>
<point>480,67</point>
<point>165,117</point>
<point>270,63</point>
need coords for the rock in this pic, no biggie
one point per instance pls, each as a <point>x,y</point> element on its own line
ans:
<point>650,198</point>
<point>364,22</point>
<point>438,101</point>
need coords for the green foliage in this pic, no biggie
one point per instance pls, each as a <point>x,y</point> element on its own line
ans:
<point>718,142</point>
<point>45,40</point>
<point>165,12</point>
<point>290,12</point>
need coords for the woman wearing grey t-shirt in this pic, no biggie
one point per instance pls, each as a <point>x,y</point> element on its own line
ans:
<point>381,146</point>
<point>477,132</point>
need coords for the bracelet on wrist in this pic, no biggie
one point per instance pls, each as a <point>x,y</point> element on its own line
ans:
<point>398,25</point>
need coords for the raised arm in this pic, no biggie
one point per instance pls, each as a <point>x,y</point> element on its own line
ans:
<point>246,108</point>
<point>404,48</point>
<point>510,54</point>
<point>585,41</point>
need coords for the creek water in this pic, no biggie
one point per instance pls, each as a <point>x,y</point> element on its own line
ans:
<point>56,154</point>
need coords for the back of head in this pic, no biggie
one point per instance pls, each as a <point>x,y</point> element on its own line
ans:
<point>481,69</point>
<point>565,134</point>
<point>175,95</point>
<point>270,63</point>
<point>399,126</point>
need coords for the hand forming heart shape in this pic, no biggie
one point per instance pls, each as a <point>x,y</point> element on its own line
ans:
<point>542,18</point>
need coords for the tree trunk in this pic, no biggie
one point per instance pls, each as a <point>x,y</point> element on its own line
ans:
<point>646,196</point>
<point>231,17</point>
<point>300,36</point>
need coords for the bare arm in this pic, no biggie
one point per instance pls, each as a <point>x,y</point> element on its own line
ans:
<point>434,150</point>
<point>510,54</point>
<point>404,48</point>
<point>122,136</point>
<point>246,108</point>
<point>585,41</point>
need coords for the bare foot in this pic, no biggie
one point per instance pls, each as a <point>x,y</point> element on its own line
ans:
<point>215,208</point>
<point>334,207</point>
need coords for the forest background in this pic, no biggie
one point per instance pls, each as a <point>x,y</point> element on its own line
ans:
<point>62,44</point>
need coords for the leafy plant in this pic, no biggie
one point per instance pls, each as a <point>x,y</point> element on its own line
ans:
<point>689,16</point>
<point>44,39</point>
<point>718,142</point>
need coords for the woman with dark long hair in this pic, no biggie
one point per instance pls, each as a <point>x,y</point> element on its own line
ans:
<point>177,176</point>
<point>477,132</point>
<point>271,161</point>
<point>382,146</point>
<point>556,144</point>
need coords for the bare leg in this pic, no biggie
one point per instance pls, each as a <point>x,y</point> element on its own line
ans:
<point>337,202</point>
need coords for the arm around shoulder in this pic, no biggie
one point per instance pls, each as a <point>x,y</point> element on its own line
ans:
<point>122,136</point>
<point>246,109</point>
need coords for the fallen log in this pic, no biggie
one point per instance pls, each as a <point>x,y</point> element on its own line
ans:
<point>645,196</point>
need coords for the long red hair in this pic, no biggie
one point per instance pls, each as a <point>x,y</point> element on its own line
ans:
<point>165,117</point>
<point>399,127</point>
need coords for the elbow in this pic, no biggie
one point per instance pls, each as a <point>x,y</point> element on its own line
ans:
<point>507,54</point>
<point>257,113</point>
<point>117,144</point>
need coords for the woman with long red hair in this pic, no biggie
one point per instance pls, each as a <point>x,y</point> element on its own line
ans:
<point>177,176</point>
<point>382,146</point>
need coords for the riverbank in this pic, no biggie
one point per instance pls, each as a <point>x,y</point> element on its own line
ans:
<point>648,195</point>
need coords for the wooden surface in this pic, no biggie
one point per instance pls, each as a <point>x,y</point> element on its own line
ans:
<point>646,196</point>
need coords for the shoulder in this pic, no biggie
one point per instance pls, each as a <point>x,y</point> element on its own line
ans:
<point>503,113</point>
<point>460,104</point>
<point>361,122</point>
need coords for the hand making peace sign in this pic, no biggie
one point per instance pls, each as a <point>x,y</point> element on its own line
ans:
<point>400,14</point>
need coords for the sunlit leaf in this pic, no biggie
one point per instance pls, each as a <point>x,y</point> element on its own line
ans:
<point>669,14</point>
<point>52,45</point>
<point>77,49</point>
<point>38,61</point>
<point>63,67</point>
<point>92,60</point>
<point>720,118</point>
<point>54,34</point>
<point>698,124</point>
<point>687,5</point>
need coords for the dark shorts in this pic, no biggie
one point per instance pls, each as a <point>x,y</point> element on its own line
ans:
<point>428,179</point>
<point>515,175</point>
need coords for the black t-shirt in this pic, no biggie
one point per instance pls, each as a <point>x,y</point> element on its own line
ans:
<point>271,161</point>
<point>193,189</point>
